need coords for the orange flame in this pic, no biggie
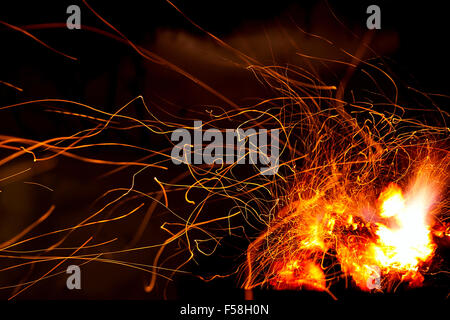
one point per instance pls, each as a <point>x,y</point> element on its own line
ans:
<point>407,243</point>
<point>377,246</point>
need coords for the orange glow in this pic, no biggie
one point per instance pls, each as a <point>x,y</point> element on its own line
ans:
<point>377,246</point>
<point>408,242</point>
<point>297,274</point>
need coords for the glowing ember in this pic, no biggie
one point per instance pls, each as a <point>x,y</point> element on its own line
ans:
<point>323,239</point>
<point>295,274</point>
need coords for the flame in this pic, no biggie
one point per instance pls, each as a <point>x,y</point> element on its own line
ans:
<point>408,242</point>
<point>297,274</point>
<point>377,246</point>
